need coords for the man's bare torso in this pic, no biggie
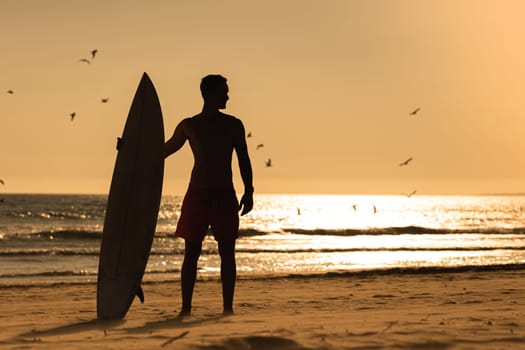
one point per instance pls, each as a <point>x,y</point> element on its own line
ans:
<point>212,139</point>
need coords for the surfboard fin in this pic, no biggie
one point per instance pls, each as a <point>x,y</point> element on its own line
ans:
<point>119,143</point>
<point>140,294</point>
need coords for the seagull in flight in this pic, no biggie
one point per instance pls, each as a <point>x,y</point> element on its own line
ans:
<point>249,134</point>
<point>105,100</point>
<point>410,194</point>
<point>268,163</point>
<point>259,146</point>
<point>414,112</point>
<point>406,162</point>
<point>72,115</point>
<point>2,182</point>
<point>93,54</point>
<point>85,60</point>
<point>354,206</point>
<point>10,92</point>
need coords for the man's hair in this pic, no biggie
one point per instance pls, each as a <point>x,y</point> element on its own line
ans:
<point>210,83</point>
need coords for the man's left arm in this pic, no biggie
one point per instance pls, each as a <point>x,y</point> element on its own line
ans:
<point>245,166</point>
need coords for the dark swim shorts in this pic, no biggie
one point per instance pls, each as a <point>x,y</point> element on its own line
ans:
<point>204,208</point>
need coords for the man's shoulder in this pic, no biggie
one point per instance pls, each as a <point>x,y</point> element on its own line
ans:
<point>232,120</point>
<point>230,117</point>
<point>188,120</point>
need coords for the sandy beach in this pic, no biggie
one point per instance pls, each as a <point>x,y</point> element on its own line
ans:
<point>463,310</point>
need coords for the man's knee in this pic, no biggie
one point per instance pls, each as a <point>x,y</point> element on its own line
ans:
<point>227,249</point>
<point>192,251</point>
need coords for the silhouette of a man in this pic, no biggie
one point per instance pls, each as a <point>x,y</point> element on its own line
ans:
<point>210,200</point>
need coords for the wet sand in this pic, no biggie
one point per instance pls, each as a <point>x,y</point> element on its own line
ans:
<point>461,310</point>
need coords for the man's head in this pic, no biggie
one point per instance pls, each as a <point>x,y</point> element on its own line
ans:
<point>214,90</point>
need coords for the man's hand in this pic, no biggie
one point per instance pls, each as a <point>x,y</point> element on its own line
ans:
<point>246,203</point>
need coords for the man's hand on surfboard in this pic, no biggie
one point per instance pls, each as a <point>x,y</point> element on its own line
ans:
<point>246,203</point>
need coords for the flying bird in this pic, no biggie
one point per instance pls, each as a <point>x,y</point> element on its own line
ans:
<point>85,60</point>
<point>410,194</point>
<point>259,146</point>
<point>105,100</point>
<point>249,134</point>
<point>374,208</point>
<point>268,163</point>
<point>93,54</point>
<point>72,115</point>
<point>354,206</point>
<point>10,92</point>
<point>414,112</point>
<point>2,182</point>
<point>406,162</point>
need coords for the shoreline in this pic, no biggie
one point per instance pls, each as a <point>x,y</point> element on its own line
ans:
<point>362,273</point>
<point>468,309</point>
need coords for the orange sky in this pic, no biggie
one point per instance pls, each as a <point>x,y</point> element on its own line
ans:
<point>327,86</point>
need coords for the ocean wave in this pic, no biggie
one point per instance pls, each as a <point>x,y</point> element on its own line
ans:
<point>361,273</point>
<point>13,252</point>
<point>89,235</point>
<point>54,215</point>
<point>73,273</point>
<point>52,234</point>
<point>51,251</point>
<point>418,230</point>
<point>413,270</point>
<point>248,232</point>
<point>71,234</point>
<point>49,274</point>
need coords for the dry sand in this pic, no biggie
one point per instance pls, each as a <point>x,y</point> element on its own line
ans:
<point>465,310</point>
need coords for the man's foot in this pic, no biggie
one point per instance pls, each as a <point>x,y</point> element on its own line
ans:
<point>227,312</point>
<point>184,313</point>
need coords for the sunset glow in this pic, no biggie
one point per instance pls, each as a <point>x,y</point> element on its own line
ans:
<point>327,87</point>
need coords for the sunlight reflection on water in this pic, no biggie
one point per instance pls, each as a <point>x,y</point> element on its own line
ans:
<point>274,212</point>
<point>54,237</point>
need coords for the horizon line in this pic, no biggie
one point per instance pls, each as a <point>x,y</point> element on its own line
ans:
<point>494,194</point>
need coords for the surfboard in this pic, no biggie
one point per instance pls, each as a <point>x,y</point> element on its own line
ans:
<point>133,205</point>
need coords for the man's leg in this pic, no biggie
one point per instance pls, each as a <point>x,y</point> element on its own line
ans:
<point>188,274</point>
<point>228,274</point>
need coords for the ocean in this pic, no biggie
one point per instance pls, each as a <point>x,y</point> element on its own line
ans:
<point>49,239</point>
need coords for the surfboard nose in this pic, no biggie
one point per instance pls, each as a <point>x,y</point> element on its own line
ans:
<point>145,79</point>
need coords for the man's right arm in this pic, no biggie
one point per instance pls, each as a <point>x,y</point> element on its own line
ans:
<point>176,141</point>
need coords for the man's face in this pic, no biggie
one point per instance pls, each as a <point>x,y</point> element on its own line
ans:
<point>220,97</point>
